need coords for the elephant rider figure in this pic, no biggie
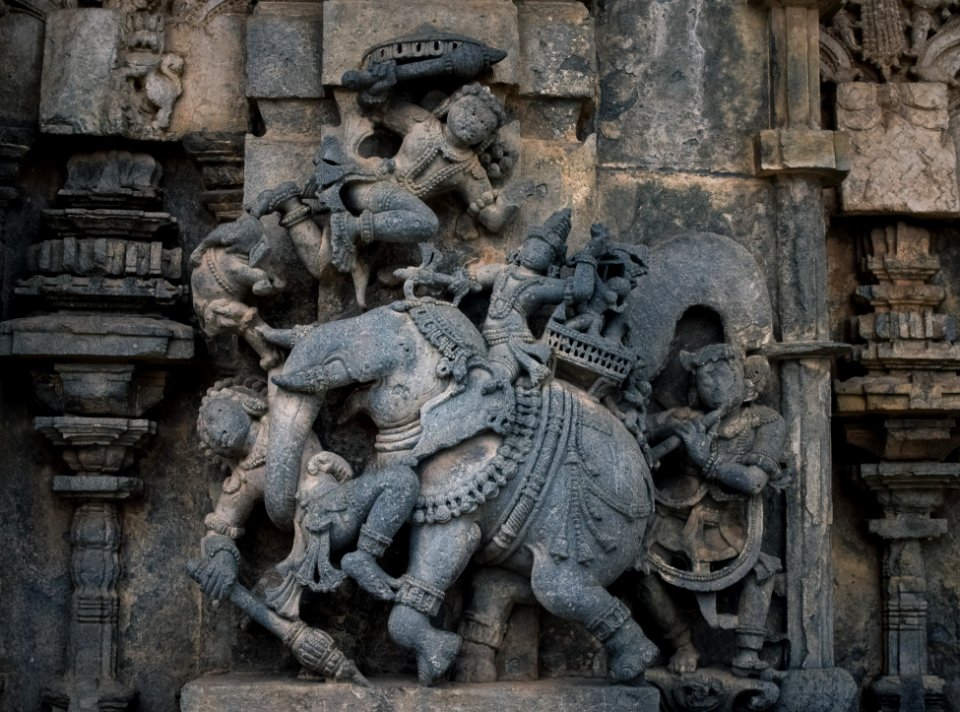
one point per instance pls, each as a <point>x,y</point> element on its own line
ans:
<point>711,515</point>
<point>384,199</point>
<point>527,282</point>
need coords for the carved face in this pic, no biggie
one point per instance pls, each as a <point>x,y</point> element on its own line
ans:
<point>224,425</point>
<point>470,120</point>
<point>720,384</point>
<point>536,254</point>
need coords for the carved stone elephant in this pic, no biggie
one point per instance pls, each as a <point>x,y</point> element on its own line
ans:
<point>558,490</point>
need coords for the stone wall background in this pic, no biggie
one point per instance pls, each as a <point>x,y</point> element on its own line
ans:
<point>683,90</point>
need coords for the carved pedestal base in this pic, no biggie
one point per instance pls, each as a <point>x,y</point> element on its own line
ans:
<point>238,693</point>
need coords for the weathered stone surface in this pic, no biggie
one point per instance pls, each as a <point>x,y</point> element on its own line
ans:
<point>284,50</point>
<point>567,170</point>
<point>213,99</point>
<point>832,690</point>
<point>21,60</point>
<point>825,153</point>
<point>82,45</point>
<point>493,22</point>
<point>232,692</point>
<point>683,85</point>
<point>270,162</point>
<point>557,54</point>
<point>903,157</point>
<point>124,337</point>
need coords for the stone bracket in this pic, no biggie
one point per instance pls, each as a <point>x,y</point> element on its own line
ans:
<point>803,151</point>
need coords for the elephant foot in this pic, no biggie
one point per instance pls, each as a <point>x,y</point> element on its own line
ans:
<point>477,663</point>
<point>629,653</point>
<point>436,655</point>
<point>684,660</point>
<point>363,569</point>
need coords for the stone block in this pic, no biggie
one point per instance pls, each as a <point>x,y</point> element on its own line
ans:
<point>236,692</point>
<point>284,50</point>
<point>21,61</point>
<point>683,84</point>
<point>213,99</point>
<point>557,52</point>
<point>826,690</point>
<point>82,46</point>
<point>116,337</point>
<point>304,117</point>
<point>568,172</point>
<point>823,153</point>
<point>903,158</point>
<point>270,162</point>
<point>350,27</point>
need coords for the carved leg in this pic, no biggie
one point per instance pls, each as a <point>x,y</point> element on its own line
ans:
<point>657,601</point>
<point>388,496</point>
<point>751,629</point>
<point>438,555</point>
<point>570,591</point>
<point>495,591</point>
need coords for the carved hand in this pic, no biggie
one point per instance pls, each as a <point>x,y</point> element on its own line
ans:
<point>696,440</point>
<point>217,571</point>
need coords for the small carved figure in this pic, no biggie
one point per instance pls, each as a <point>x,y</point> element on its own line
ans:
<point>234,425</point>
<point>384,199</point>
<point>529,281</point>
<point>710,515</point>
<point>925,20</point>
<point>163,86</point>
<point>224,279</point>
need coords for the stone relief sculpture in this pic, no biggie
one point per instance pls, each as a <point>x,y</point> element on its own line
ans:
<point>518,450</point>
<point>453,148</point>
<point>709,522</point>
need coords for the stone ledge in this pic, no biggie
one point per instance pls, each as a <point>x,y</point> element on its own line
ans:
<point>238,693</point>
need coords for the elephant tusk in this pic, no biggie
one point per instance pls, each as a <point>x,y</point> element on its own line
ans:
<point>310,381</point>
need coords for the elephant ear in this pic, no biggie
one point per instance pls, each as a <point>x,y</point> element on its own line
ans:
<point>461,412</point>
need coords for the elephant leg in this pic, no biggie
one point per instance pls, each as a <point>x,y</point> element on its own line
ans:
<point>569,591</point>
<point>495,591</point>
<point>438,555</point>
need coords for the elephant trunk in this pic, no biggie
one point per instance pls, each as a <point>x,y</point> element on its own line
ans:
<point>291,421</point>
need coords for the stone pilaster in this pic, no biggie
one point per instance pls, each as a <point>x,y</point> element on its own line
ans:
<point>800,157</point>
<point>912,385</point>
<point>110,254</point>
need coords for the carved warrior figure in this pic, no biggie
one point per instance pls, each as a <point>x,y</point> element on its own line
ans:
<point>710,515</point>
<point>224,279</point>
<point>527,282</point>
<point>385,199</point>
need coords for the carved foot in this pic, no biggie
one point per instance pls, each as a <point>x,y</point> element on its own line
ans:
<point>684,660</point>
<point>269,201</point>
<point>363,569</point>
<point>630,652</point>
<point>437,655</point>
<point>747,663</point>
<point>477,663</point>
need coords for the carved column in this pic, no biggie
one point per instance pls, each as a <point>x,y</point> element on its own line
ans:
<point>800,157</point>
<point>99,363</point>
<point>912,380</point>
